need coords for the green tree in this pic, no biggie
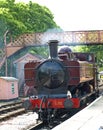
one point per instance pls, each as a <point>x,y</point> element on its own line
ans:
<point>21,18</point>
<point>96,49</point>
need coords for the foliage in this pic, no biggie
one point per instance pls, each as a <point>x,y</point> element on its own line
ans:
<point>21,18</point>
<point>97,50</point>
<point>40,51</point>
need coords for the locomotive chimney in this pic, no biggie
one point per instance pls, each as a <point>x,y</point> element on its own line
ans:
<point>53,44</point>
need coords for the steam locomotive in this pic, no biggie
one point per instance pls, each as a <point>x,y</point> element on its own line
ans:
<point>64,81</point>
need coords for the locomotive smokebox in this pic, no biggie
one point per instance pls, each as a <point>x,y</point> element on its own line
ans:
<point>53,44</point>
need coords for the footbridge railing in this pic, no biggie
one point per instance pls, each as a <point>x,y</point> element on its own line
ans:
<point>72,38</point>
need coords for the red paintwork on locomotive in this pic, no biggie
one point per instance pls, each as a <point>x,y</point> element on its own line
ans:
<point>54,103</point>
<point>29,73</point>
<point>78,71</point>
<point>73,72</point>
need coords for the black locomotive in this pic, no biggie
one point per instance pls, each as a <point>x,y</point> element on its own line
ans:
<point>64,81</point>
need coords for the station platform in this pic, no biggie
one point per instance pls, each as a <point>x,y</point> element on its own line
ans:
<point>90,118</point>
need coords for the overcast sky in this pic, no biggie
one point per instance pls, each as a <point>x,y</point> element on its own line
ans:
<point>75,14</point>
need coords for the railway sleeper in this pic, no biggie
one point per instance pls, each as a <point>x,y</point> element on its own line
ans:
<point>10,114</point>
<point>10,103</point>
<point>10,108</point>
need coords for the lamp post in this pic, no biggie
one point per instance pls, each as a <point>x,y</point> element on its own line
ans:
<point>5,43</point>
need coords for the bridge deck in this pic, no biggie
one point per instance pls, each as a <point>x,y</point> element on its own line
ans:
<point>90,118</point>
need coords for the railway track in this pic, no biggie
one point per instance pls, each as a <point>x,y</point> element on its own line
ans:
<point>11,109</point>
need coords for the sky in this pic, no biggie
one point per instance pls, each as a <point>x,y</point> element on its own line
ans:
<point>75,15</point>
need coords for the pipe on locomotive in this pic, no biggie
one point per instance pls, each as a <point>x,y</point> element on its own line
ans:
<point>53,44</point>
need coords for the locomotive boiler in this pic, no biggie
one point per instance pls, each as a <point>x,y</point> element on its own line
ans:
<point>62,82</point>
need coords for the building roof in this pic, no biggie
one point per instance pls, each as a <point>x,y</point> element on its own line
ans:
<point>28,57</point>
<point>9,78</point>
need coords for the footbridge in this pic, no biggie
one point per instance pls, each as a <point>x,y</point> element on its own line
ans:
<point>70,38</point>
